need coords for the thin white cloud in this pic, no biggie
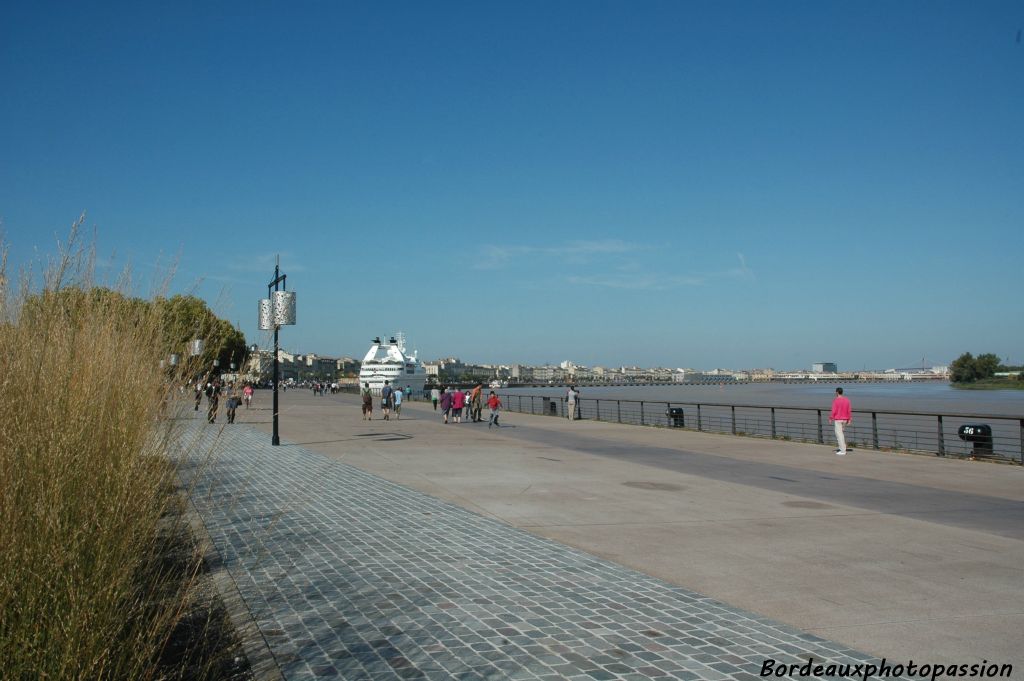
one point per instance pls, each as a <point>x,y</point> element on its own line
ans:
<point>609,265</point>
<point>637,281</point>
<point>633,276</point>
<point>493,256</point>
<point>741,272</point>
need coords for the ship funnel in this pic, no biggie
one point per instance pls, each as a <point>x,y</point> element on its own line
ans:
<point>377,340</point>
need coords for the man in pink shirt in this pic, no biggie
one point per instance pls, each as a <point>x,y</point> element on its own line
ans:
<point>841,416</point>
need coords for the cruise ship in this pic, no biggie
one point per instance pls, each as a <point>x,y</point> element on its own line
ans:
<point>388,362</point>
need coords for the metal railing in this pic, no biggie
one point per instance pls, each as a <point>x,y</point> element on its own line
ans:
<point>892,430</point>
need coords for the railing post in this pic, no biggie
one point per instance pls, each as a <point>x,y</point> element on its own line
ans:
<point>942,441</point>
<point>641,412</point>
<point>874,428</point>
<point>1021,442</point>
<point>733,420</point>
<point>773,423</point>
<point>618,410</point>
<point>668,408</point>
<point>700,426</point>
<point>821,436</point>
<point>598,417</point>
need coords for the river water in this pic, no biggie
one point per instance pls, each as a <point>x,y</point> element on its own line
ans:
<point>799,411</point>
<point>928,397</point>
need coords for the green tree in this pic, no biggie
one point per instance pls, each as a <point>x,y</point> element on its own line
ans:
<point>963,369</point>
<point>985,365</point>
<point>187,317</point>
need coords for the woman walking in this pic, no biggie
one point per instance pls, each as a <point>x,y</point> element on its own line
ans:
<point>458,401</point>
<point>446,403</point>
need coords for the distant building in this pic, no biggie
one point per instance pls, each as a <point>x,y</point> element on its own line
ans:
<point>583,374</point>
<point>347,366</point>
<point>824,368</point>
<point>686,375</point>
<point>548,373</point>
<point>521,373</point>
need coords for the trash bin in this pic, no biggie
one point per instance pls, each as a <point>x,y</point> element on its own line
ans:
<point>980,435</point>
<point>676,418</point>
<point>550,407</point>
<point>554,408</point>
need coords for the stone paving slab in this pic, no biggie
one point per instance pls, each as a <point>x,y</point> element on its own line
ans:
<point>350,576</point>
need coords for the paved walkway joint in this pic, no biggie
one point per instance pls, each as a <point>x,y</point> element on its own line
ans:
<point>350,576</point>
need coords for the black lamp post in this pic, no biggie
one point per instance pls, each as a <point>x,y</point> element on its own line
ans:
<point>277,309</point>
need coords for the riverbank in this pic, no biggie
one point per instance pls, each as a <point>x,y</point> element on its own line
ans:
<point>990,384</point>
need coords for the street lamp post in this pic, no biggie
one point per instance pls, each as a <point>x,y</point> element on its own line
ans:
<point>277,309</point>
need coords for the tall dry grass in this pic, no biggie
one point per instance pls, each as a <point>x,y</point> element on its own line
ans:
<point>86,489</point>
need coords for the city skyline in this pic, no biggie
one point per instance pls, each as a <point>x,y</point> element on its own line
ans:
<point>736,185</point>
<point>925,364</point>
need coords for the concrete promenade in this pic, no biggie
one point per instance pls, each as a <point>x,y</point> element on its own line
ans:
<point>700,556</point>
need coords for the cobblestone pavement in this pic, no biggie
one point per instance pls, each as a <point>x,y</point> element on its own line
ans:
<point>350,576</point>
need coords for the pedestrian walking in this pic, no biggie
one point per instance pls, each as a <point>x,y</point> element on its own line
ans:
<point>458,402</point>
<point>435,395</point>
<point>495,406</point>
<point>247,392</point>
<point>367,402</point>
<point>841,416</point>
<point>387,395</point>
<point>446,403</point>
<point>476,403</point>
<point>399,396</point>
<point>213,401</point>
<point>232,405</point>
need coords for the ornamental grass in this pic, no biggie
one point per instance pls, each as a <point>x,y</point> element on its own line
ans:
<point>96,571</point>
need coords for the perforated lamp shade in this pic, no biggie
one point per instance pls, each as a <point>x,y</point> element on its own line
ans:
<point>284,308</point>
<point>266,315</point>
<point>195,348</point>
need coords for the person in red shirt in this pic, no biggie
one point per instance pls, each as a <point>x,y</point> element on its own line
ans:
<point>495,405</point>
<point>458,401</point>
<point>841,416</point>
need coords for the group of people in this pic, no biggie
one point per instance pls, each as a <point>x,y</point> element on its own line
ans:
<point>214,390</point>
<point>454,402</point>
<point>390,400</point>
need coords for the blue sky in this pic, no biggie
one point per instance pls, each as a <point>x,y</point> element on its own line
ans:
<point>700,184</point>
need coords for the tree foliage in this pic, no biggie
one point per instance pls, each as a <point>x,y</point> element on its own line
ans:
<point>987,365</point>
<point>182,319</point>
<point>186,318</point>
<point>967,368</point>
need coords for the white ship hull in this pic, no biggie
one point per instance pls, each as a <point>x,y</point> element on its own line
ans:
<point>387,362</point>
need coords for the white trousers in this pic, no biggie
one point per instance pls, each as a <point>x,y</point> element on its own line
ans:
<point>841,434</point>
<point>572,411</point>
